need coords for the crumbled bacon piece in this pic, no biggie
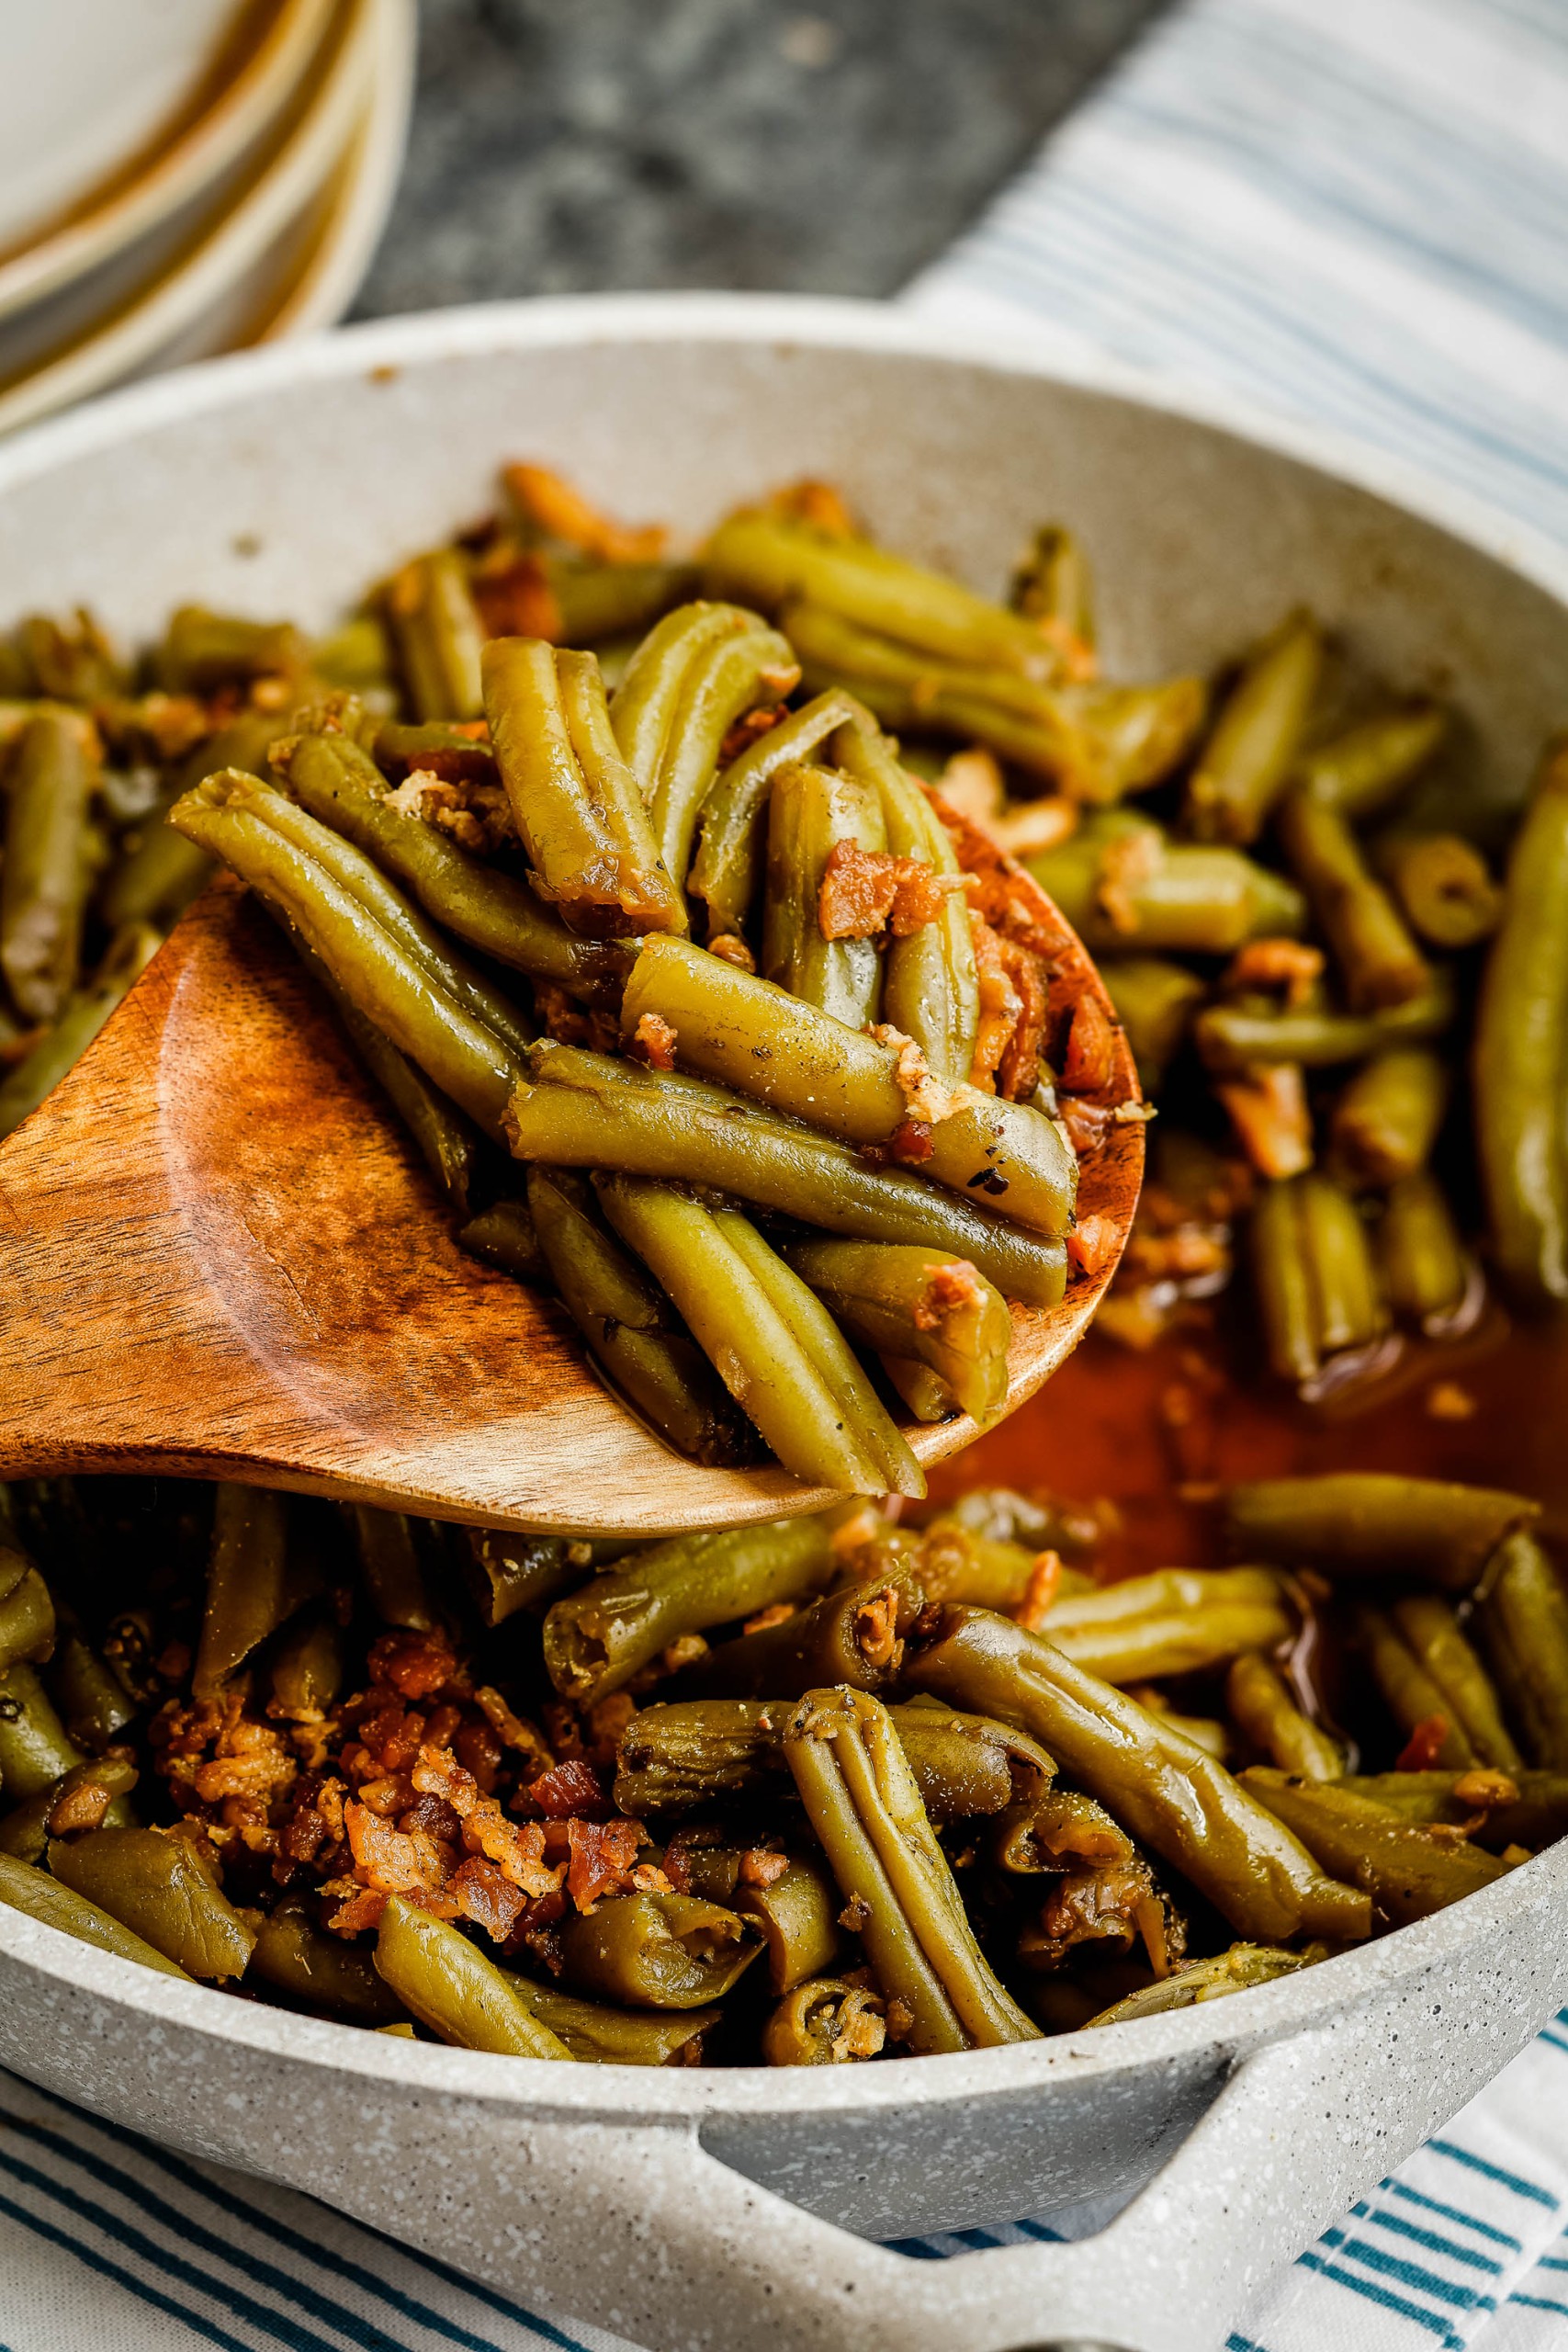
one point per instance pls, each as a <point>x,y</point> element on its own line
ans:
<point>1031,827</point>
<point>570,1024</point>
<point>1483,1787</point>
<point>1268,1109</point>
<point>1123,864</point>
<point>1091,1244</point>
<point>730,948</point>
<point>749,729</point>
<point>866,891</point>
<point>971,784</point>
<point>568,1787</point>
<point>927,1099</point>
<point>560,511</point>
<point>951,1288</point>
<point>602,1856</point>
<point>876,1627</point>
<point>397,1861</point>
<point>1017,1070</point>
<point>1426,1743</point>
<point>817,503</point>
<point>415,1666</point>
<point>1000,1005</point>
<point>1288,964</point>
<point>83,1807</point>
<point>515,598</point>
<point>777,1613</point>
<point>483,1896</point>
<point>760,1866</point>
<point>1089,1058</point>
<point>476,814</point>
<point>910,1142</point>
<point>517,1848</point>
<point>1040,1592</point>
<point>1088,1124</point>
<point>655,1039</point>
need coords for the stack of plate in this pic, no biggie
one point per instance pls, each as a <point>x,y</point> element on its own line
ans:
<point>181,178</point>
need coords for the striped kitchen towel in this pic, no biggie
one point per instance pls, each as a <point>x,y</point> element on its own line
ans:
<point>110,2245</point>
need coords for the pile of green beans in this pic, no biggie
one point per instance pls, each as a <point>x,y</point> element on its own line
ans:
<point>866,1783</point>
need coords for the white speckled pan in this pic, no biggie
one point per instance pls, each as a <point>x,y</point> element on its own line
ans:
<point>714,2208</point>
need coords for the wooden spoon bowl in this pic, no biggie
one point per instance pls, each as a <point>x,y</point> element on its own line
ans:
<point>221,1259</point>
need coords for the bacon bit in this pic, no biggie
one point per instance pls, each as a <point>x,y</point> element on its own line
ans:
<point>1088,1124</point>
<point>609,1717</point>
<point>602,1856</point>
<point>1018,1072</point>
<point>397,1861</point>
<point>1124,863</point>
<point>475,813</point>
<point>1421,1751</point>
<point>554,507</point>
<point>655,1039</point>
<point>950,1289</point>
<point>571,1788</point>
<point>515,599</point>
<point>361,1907</point>
<point>388,1796</point>
<point>1192,1253</point>
<point>750,730</point>
<point>876,1627</point>
<point>83,1807</point>
<point>1089,1057</point>
<point>482,1894</point>
<point>569,1024</point>
<point>648,1879</point>
<point>1446,1401</point>
<point>1288,964</point>
<point>1040,1592</point>
<point>815,503</point>
<point>864,1528</point>
<point>1485,1788</point>
<point>730,948</point>
<point>685,1650</point>
<point>865,892</point>
<point>972,784</point>
<point>928,1100</point>
<point>1091,1244</point>
<point>1268,1110</point>
<point>777,1613</point>
<point>1032,827</point>
<point>1001,1006</point>
<point>853,1917</point>
<point>509,1729</point>
<point>910,1142</point>
<point>415,1665</point>
<point>761,1866</point>
<point>517,1850</point>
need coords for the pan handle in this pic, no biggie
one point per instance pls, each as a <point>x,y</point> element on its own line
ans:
<point>643,2231</point>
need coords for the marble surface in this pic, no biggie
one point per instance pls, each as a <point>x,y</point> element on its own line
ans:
<point>564,146</point>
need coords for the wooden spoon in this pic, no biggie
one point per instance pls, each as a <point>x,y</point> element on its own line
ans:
<point>221,1259</point>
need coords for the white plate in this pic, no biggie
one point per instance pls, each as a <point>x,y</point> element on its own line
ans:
<point>176,296</point>
<point>116,114</point>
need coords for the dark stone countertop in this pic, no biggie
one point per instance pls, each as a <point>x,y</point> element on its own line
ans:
<point>563,146</point>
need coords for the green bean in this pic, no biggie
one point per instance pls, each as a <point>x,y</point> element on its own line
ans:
<point>1062,1824</point>
<point>627,1322</point>
<point>1348,1307</point>
<point>853,1637</point>
<point>248,1582</point>
<point>508,1571</point>
<point>1260,1705</point>
<point>598,1113</point>
<point>1535,1813</point>
<point>23,1888</point>
<point>203,650</point>
<point>391,1566</point>
<point>924,1397</point>
<point>1519,1051</point>
<point>439,746</point>
<point>356,658</point>
<point>438,635</point>
<point>94,1708</point>
<point>164,871</point>
<point>487,909</point>
<point>957,1561</point>
<point>60,1048</point>
<point>1166,1793</point>
<point>596,1639</point>
<point>34,1747</point>
<point>1523,1611</point>
<point>811,811</point>
<point>1361,772</point>
<point>598,600</point>
<point>152,1882</point>
<point>738,1029</point>
<point>1432,1633</point>
<point>425,1019</point>
<point>577,806</point>
<point>1175,1622</point>
<point>307,1669</point>
<point>1155,1002</point>
<point>825,2022</point>
<point>503,1235</point>
<point>1373,1523</point>
<point>939,1311</point>
<point>101,1786</point>
<point>1421,1260</point>
<point>26,1612</point>
<point>318,1971</point>
<point>53,775</point>
<point>769,561</point>
<point>1120,883</point>
<point>69,663</point>
<point>865,1805</point>
<point>443,1139</point>
<point>1411,1695</point>
<point>598,2035</point>
<point>1246,762</point>
<point>657,1951</point>
<point>1441,882</point>
<point>931,988</point>
<point>1233,1036</point>
<point>703,668</point>
<point>732,826</point>
<point>796,1913</point>
<point>695,1751</point>
<point>1407,1868</point>
<point>1381,964</point>
<point>777,1351</point>
<point>1031,1523</point>
<point>1053,586</point>
<point>448,1985</point>
<point>1094,742</point>
<point>1386,1121</point>
<point>1207,1980</point>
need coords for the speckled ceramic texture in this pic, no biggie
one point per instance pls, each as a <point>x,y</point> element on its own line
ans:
<point>730,2211</point>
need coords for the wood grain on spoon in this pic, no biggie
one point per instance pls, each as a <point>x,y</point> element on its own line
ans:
<point>219,1259</point>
